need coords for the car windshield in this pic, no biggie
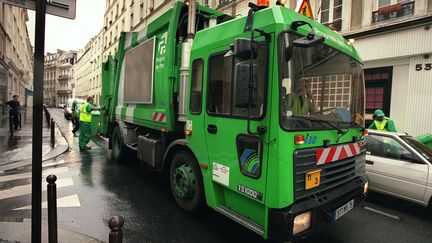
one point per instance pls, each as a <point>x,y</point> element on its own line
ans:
<point>419,147</point>
<point>321,88</point>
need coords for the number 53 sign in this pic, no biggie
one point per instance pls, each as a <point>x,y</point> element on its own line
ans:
<point>426,67</point>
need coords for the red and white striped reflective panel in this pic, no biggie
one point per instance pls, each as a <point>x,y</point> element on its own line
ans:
<point>328,155</point>
<point>158,116</point>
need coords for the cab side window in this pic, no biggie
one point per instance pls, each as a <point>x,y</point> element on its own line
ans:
<point>386,147</point>
<point>228,84</point>
<point>195,102</point>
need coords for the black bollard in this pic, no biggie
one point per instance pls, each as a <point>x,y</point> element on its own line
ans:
<point>115,224</point>
<point>52,208</point>
<point>52,133</point>
<point>48,117</point>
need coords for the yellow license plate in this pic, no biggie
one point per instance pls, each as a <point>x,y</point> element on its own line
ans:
<point>312,179</point>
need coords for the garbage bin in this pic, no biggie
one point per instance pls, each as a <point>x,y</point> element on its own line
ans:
<point>95,124</point>
<point>426,139</point>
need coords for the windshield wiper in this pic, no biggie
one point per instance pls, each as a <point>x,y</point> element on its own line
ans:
<point>362,128</point>
<point>340,131</point>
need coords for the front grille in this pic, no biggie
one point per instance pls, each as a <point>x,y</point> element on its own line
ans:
<point>332,174</point>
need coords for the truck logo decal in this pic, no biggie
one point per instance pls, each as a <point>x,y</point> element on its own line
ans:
<point>162,44</point>
<point>250,161</point>
<point>250,192</point>
<point>328,155</point>
<point>158,116</point>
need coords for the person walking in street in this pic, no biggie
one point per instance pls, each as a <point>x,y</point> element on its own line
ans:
<point>14,111</point>
<point>75,118</point>
<point>85,123</point>
<point>382,123</point>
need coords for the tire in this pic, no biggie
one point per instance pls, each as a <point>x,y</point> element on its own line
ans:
<point>186,182</point>
<point>118,147</point>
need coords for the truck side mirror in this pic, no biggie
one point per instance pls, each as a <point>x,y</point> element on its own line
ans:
<point>242,49</point>
<point>308,41</point>
<point>241,85</point>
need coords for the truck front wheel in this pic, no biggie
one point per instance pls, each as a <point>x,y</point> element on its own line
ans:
<point>186,182</point>
<point>118,147</point>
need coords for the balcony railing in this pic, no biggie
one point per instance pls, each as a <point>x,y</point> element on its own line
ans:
<point>64,92</point>
<point>393,11</point>
<point>64,77</point>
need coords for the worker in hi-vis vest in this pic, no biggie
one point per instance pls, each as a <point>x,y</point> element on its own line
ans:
<point>85,119</point>
<point>382,123</point>
<point>300,101</point>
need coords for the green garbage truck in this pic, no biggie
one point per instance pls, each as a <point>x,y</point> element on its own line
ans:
<point>259,117</point>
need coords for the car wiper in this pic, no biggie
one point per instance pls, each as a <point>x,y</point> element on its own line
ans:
<point>340,131</point>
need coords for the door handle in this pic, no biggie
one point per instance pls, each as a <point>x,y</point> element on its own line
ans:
<point>369,162</point>
<point>212,128</point>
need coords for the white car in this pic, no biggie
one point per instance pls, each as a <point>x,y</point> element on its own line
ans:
<point>399,165</point>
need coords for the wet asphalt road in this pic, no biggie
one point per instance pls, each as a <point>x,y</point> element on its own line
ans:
<point>105,188</point>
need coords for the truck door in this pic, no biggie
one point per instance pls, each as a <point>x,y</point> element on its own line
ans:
<point>238,159</point>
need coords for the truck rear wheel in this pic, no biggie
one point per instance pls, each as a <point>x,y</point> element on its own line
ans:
<point>118,147</point>
<point>186,182</point>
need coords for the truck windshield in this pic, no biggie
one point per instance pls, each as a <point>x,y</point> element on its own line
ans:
<point>320,87</point>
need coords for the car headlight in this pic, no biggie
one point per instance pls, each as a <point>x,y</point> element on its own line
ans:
<point>302,222</point>
<point>366,187</point>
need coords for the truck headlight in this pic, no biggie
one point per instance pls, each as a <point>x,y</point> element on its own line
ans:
<point>366,187</point>
<point>302,222</point>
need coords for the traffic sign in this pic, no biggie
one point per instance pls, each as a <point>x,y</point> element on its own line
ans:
<point>61,8</point>
<point>305,9</point>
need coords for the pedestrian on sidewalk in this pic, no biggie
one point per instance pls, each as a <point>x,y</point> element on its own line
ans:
<point>14,111</point>
<point>85,123</point>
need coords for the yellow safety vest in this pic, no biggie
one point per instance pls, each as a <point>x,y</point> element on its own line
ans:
<point>84,115</point>
<point>380,126</point>
<point>301,109</point>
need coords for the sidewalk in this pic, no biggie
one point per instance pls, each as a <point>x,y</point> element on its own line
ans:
<point>16,151</point>
<point>14,232</point>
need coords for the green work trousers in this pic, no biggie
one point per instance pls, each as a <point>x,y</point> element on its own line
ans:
<point>85,134</point>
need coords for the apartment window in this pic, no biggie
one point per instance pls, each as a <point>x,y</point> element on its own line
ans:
<point>390,9</point>
<point>331,13</point>
<point>142,10</point>
<point>131,20</point>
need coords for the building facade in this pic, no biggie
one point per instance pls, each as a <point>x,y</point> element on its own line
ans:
<point>58,77</point>
<point>16,53</point>
<point>88,70</point>
<point>394,38</point>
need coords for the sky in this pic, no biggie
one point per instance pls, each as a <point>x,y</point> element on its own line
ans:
<point>66,34</point>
